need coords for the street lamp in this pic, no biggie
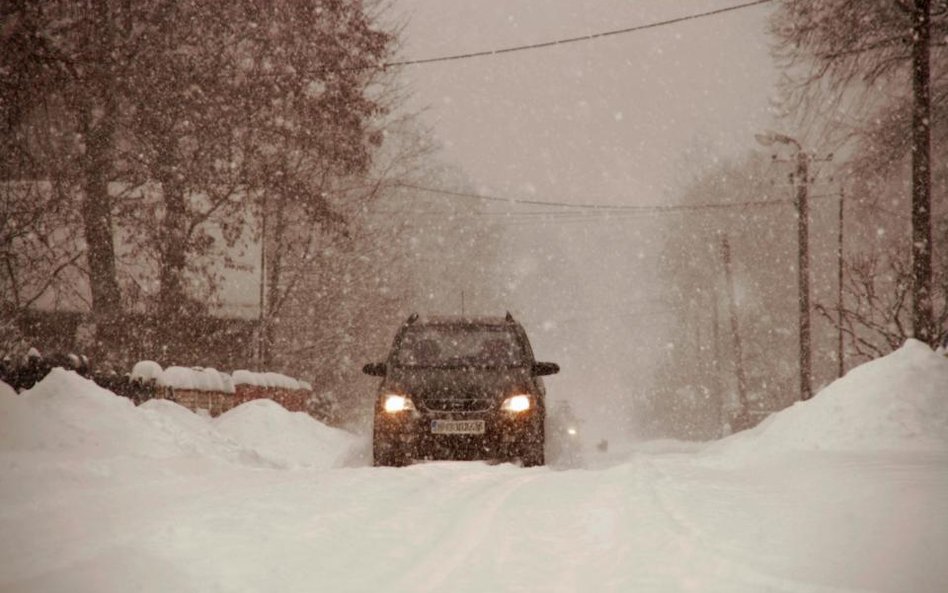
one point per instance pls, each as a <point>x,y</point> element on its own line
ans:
<point>803,282</point>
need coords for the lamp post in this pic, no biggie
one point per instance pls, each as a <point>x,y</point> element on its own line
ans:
<point>803,268</point>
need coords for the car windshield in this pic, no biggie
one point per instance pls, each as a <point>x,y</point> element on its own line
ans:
<point>459,346</point>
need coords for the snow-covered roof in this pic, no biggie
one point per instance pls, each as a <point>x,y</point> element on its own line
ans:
<point>147,370</point>
<point>197,378</point>
<point>210,379</point>
<point>267,379</point>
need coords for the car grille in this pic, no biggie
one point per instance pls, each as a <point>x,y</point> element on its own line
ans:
<point>457,405</point>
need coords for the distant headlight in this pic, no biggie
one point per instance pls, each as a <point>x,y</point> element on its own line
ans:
<point>516,403</point>
<point>397,403</point>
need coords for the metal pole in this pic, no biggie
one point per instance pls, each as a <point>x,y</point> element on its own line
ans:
<point>841,370</point>
<point>923,322</point>
<point>803,215</point>
<point>261,324</point>
<point>742,415</point>
<point>716,367</point>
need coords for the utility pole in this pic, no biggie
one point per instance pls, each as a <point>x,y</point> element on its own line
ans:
<point>923,323</point>
<point>841,370</point>
<point>742,419</point>
<point>802,181</point>
<point>716,367</point>
<point>698,355</point>
<point>262,321</point>
<point>803,247</point>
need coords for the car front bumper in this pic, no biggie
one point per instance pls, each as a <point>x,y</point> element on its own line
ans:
<point>409,434</point>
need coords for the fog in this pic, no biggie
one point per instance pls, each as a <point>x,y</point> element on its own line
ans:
<point>628,179</point>
<point>623,120</point>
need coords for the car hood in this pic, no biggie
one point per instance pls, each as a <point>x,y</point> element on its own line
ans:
<point>459,383</point>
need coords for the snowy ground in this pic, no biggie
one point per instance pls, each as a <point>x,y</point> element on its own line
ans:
<point>848,492</point>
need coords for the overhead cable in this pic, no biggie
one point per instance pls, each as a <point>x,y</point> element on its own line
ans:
<point>546,44</point>
<point>598,209</point>
<point>489,198</point>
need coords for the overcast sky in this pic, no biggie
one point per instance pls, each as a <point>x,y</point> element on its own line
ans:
<point>608,120</point>
<point>624,119</point>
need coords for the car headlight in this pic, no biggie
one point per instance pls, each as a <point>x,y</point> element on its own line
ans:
<point>395,403</point>
<point>516,403</point>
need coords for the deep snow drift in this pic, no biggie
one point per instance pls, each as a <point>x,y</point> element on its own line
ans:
<point>68,415</point>
<point>846,492</point>
<point>896,403</point>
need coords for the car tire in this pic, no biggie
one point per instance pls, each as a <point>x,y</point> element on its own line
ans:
<point>388,455</point>
<point>532,447</point>
<point>533,457</point>
<point>532,454</point>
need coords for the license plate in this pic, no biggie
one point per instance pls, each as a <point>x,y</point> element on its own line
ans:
<point>457,427</point>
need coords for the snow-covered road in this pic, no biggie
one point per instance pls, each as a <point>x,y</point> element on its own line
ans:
<point>97,496</point>
<point>657,522</point>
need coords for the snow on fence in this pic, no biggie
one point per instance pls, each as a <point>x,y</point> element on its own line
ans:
<point>216,392</point>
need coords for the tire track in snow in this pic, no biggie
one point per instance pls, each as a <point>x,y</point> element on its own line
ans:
<point>476,509</point>
<point>690,531</point>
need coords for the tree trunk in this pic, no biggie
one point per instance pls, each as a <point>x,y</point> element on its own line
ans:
<point>97,122</point>
<point>171,294</point>
<point>742,421</point>
<point>922,317</point>
<point>97,224</point>
<point>274,270</point>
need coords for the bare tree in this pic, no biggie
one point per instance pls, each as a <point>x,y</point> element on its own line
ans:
<point>60,62</point>
<point>39,250</point>
<point>751,203</point>
<point>839,53</point>
<point>251,112</point>
<point>174,117</point>
<point>876,315</point>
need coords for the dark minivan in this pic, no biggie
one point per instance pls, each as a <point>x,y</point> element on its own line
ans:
<point>460,388</point>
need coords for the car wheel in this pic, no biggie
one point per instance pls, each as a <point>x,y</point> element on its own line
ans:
<point>532,455</point>
<point>388,455</point>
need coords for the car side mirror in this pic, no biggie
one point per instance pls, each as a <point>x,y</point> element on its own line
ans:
<point>376,369</point>
<point>545,368</point>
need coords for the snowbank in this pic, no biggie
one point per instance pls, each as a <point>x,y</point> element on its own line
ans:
<point>194,436</point>
<point>70,418</point>
<point>69,415</point>
<point>290,439</point>
<point>895,403</point>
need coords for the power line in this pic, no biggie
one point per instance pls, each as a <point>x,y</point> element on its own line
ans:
<point>488,198</point>
<point>591,211</point>
<point>545,44</point>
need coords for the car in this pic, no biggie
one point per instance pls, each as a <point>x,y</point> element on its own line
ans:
<point>460,388</point>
